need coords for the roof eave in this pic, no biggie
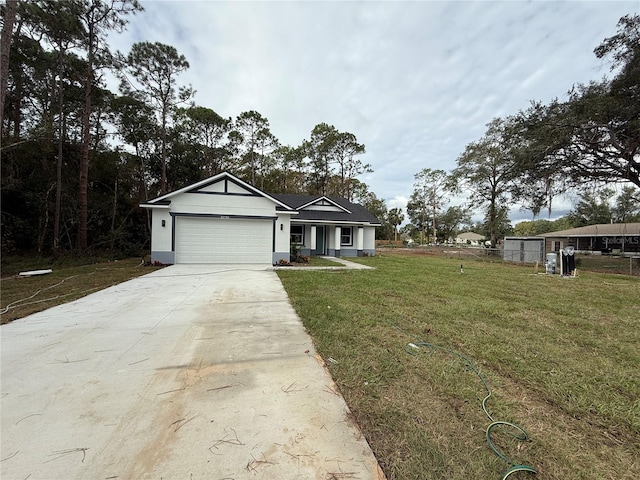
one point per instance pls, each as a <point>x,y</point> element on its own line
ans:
<point>164,206</point>
<point>339,222</point>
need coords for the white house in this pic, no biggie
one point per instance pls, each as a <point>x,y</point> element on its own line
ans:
<point>470,238</point>
<point>224,220</point>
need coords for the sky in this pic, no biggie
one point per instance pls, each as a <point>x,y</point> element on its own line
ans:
<point>414,81</point>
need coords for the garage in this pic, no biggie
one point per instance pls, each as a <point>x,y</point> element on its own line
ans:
<point>208,239</point>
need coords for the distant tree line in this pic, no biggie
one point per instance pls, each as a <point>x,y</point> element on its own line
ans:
<point>78,158</point>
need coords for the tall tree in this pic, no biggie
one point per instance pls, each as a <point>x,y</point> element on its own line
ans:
<point>59,23</point>
<point>485,170</point>
<point>427,200</point>
<point>627,206</point>
<point>8,19</point>
<point>395,218</point>
<point>319,149</point>
<point>333,164</point>
<point>208,130</point>
<point>137,126</point>
<point>22,54</point>
<point>500,225</point>
<point>44,75</point>
<point>99,17</point>
<point>534,227</point>
<point>594,136</point>
<point>345,149</point>
<point>266,143</point>
<point>248,127</point>
<point>155,68</point>
<point>452,221</point>
<point>592,208</point>
<point>289,163</point>
<point>377,207</point>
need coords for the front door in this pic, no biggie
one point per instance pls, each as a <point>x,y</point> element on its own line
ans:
<point>319,241</point>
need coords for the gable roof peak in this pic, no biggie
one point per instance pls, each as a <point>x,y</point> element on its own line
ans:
<point>211,180</point>
<point>323,200</point>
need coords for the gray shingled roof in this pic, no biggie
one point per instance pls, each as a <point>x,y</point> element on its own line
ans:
<point>471,236</point>
<point>358,212</point>
<point>631,228</point>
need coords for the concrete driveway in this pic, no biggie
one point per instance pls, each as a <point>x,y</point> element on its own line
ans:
<point>190,372</point>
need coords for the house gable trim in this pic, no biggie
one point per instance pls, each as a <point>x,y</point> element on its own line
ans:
<point>323,201</point>
<point>164,206</point>
<point>226,183</point>
<point>227,178</point>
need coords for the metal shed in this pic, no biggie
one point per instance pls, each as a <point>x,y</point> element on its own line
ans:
<point>523,249</point>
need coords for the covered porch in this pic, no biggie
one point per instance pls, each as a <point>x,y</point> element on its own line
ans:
<point>336,240</point>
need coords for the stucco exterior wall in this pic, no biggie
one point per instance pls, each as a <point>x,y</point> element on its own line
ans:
<point>211,204</point>
<point>160,235</point>
<point>223,204</point>
<point>282,239</point>
<point>369,244</point>
<point>224,199</point>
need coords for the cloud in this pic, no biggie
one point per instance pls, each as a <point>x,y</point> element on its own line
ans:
<point>399,201</point>
<point>414,81</point>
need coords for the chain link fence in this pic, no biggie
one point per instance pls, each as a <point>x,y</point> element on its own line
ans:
<point>605,263</point>
<point>624,265</point>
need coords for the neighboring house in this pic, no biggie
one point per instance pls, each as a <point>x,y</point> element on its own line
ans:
<point>604,237</point>
<point>470,238</point>
<point>225,220</point>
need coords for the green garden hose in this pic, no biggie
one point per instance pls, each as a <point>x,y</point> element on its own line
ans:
<point>521,434</point>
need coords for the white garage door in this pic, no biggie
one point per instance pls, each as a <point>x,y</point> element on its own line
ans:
<point>217,240</point>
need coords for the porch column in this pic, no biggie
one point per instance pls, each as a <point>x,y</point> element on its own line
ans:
<point>338,235</point>
<point>359,233</point>
<point>313,239</point>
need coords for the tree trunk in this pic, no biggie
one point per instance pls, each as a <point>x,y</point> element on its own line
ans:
<point>114,211</point>
<point>83,201</point>
<point>42,229</point>
<point>435,213</point>
<point>253,167</point>
<point>5,50</point>
<point>16,113</point>
<point>492,222</point>
<point>61,134</point>
<point>58,208</point>
<point>163,175</point>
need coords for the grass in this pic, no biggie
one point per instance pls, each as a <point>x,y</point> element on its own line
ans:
<point>609,264</point>
<point>319,262</point>
<point>71,279</point>
<point>561,356</point>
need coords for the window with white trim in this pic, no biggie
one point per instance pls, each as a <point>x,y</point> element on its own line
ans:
<point>346,236</point>
<point>297,234</point>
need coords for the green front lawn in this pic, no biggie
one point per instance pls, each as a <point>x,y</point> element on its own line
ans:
<point>70,279</point>
<point>561,357</point>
